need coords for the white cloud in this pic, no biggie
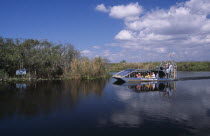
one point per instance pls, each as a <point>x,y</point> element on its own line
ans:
<point>85,52</point>
<point>101,8</point>
<point>123,11</point>
<point>181,28</point>
<point>96,47</point>
<point>206,27</point>
<point>199,6</point>
<point>124,35</point>
<point>161,50</point>
<point>106,53</point>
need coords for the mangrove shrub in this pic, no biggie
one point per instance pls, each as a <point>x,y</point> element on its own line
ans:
<point>40,58</point>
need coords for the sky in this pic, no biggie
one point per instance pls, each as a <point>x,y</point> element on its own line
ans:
<point>131,30</point>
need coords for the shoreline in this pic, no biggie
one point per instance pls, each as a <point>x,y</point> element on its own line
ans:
<point>47,79</point>
<point>22,79</point>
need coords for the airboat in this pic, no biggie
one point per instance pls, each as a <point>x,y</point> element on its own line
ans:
<point>166,71</point>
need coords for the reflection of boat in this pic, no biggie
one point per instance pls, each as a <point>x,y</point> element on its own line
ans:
<point>164,86</point>
<point>167,88</point>
<point>166,71</point>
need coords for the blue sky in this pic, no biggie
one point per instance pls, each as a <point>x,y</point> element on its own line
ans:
<point>96,29</point>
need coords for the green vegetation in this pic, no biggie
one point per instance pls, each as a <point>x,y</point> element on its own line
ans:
<point>88,69</point>
<point>3,74</point>
<point>121,66</point>
<point>193,66</point>
<point>182,66</point>
<point>45,60</point>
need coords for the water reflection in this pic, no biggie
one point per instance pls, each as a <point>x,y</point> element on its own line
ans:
<point>100,108</point>
<point>46,96</point>
<point>166,88</point>
<point>185,113</point>
<point>145,100</point>
<point>21,85</point>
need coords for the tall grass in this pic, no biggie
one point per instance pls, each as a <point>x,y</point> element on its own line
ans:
<point>193,66</point>
<point>88,69</point>
<point>181,66</point>
<point>122,66</point>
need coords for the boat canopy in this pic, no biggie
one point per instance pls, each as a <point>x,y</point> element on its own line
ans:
<point>126,72</point>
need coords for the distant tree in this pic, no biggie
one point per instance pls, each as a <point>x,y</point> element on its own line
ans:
<point>123,61</point>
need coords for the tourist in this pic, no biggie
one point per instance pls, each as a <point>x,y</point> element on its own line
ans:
<point>157,75</point>
<point>167,72</point>
<point>170,70</point>
<point>166,65</point>
<point>153,75</point>
<point>139,75</point>
<point>148,75</point>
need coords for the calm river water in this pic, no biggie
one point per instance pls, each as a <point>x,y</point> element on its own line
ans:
<point>103,108</point>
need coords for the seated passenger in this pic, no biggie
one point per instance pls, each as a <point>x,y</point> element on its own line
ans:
<point>157,75</point>
<point>147,76</point>
<point>153,75</point>
<point>139,75</point>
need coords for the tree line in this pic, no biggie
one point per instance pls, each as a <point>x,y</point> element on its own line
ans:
<point>42,59</point>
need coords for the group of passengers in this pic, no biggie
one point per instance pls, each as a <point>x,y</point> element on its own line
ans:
<point>148,75</point>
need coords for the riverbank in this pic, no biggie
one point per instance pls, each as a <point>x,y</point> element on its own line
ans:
<point>17,79</point>
<point>26,79</point>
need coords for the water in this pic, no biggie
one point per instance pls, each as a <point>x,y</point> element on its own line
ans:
<point>103,108</point>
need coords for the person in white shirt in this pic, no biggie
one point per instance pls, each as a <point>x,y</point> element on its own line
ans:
<point>153,75</point>
<point>170,70</point>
